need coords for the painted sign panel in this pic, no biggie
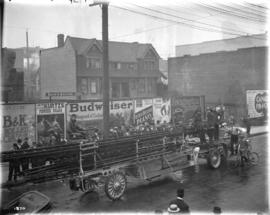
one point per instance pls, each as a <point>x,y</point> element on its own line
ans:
<point>144,115</point>
<point>143,111</point>
<point>184,107</point>
<point>90,114</point>
<point>50,122</point>
<point>18,122</point>
<point>162,110</point>
<point>257,103</point>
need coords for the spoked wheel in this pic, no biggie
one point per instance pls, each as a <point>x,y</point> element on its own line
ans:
<point>253,158</point>
<point>214,159</point>
<point>115,185</point>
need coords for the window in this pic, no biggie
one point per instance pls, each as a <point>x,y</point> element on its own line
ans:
<point>141,86</point>
<point>133,84</point>
<point>125,89</point>
<point>131,66</point>
<point>115,90</point>
<point>92,86</point>
<point>120,89</point>
<point>149,85</point>
<point>149,65</point>
<point>83,86</point>
<point>93,63</point>
<point>116,65</point>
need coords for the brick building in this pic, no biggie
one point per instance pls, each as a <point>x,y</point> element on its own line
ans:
<point>12,77</point>
<point>73,70</point>
<point>26,64</point>
<point>223,76</point>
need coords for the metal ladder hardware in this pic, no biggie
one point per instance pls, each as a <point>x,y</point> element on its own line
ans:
<point>168,163</point>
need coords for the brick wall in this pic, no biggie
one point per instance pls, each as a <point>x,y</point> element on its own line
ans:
<point>221,76</point>
<point>58,71</point>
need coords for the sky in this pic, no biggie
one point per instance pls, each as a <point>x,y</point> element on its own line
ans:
<point>163,24</point>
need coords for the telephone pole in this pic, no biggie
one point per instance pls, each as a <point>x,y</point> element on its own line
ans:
<point>27,83</point>
<point>106,85</point>
<point>105,54</point>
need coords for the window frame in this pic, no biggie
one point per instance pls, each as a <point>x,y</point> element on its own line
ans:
<point>93,63</point>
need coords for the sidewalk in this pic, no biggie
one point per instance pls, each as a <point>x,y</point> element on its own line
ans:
<point>258,130</point>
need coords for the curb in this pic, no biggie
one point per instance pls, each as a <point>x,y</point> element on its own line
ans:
<point>257,134</point>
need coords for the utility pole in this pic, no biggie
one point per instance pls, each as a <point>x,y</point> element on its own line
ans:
<point>106,85</point>
<point>26,74</point>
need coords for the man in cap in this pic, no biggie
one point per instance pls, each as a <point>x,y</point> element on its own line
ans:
<point>179,205</point>
<point>217,210</point>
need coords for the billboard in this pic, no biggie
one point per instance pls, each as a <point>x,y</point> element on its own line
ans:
<point>162,110</point>
<point>257,103</point>
<point>183,108</point>
<point>90,114</point>
<point>50,121</point>
<point>143,111</point>
<point>18,122</point>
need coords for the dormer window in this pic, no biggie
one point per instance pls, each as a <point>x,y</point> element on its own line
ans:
<point>149,65</point>
<point>131,66</point>
<point>93,63</point>
<point>116,65</point>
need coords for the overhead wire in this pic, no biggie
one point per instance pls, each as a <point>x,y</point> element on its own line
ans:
<point>175,21</point>
<point>182,23</point>
<point>189,20</point>
<point>152,29</point>
<point>238,10</point>
<point>226,12</point>
<point>258,6</point>
<point>251,8</point>
<point>216,13</point>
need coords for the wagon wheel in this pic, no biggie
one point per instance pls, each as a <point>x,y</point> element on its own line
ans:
<point>214,159</point>
<point>115,185</point>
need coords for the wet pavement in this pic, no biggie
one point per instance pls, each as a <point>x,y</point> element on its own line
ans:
<point>239,190</point>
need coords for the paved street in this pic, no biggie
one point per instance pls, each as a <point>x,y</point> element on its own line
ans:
<point>242,190</point>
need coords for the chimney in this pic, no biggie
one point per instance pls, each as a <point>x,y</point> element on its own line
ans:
<point>60,40</point>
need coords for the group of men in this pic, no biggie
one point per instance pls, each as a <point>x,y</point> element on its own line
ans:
<point>14,165</point>
<point>116,131</point>
<point>210,126</point>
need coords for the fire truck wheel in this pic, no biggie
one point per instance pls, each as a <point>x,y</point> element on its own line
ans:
<point>115,185</point>
<point>214,159</point>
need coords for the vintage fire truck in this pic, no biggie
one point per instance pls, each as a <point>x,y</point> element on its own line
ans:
<point>89,164</point>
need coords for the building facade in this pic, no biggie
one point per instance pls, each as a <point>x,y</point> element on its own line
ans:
<point>22,64</point>
<point>12,77</point>
<point>73,70</point>
<point>223,77</point>
<point>249,41</point>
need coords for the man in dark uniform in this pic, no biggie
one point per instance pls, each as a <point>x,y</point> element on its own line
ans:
<point>199,126</point>
<point>14,165</point>
<point>247,125</point>
<point>210,124</point>
<point>216,124</point>
<point>179,201</point>
<point>25,161</point>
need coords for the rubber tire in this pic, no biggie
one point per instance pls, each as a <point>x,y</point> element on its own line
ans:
<point>112,192</point>
<point>214,159</point>
<point>253,158</point>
